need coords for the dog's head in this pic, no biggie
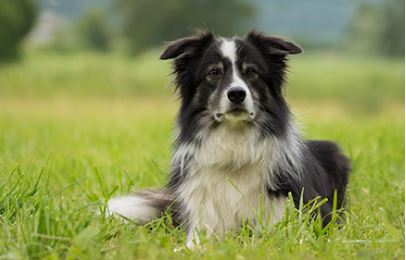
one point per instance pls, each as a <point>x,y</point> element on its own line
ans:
<point>236,82</point>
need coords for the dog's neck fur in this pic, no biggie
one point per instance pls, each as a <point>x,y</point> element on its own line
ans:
<point>231,150</point>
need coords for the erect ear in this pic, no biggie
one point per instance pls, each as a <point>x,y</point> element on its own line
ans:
<point>273,45</point>
<point>185,45</point>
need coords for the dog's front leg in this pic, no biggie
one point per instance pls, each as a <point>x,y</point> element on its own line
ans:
<point>194,232</point>
<point>192,239</point>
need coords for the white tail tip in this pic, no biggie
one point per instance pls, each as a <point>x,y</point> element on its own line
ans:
<point>132,207</point>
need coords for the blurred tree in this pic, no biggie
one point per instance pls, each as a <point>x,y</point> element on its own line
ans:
<point>392,40</point>
<point>93,30</point>
<point>379,28</point>
<point>147,23</point>
<point>17,17</point>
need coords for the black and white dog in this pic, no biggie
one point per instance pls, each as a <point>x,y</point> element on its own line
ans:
<point>238,152</point>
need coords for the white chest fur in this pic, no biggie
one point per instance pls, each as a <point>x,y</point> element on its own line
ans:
<point>226,183</point>
<point>220,201</point>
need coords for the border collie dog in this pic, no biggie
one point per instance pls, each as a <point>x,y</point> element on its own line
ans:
<point>238,152</point>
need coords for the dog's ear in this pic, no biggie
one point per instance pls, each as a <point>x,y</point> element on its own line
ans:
<point>273,45</point>
<point>186,45</point>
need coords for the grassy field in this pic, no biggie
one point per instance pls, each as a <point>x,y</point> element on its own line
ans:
<point>76,130</point>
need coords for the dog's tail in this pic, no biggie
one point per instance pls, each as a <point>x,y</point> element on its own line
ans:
<point>142,206</point>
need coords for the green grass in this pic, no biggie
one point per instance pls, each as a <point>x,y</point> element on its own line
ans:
<point>64,151</point>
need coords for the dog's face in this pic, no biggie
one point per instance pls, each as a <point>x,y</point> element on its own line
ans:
<point>236,82</point>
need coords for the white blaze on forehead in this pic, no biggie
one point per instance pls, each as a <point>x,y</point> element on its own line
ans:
<point>229,50</point>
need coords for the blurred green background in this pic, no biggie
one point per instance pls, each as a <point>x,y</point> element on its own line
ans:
<point>354,50</point>
<point>87,108</point>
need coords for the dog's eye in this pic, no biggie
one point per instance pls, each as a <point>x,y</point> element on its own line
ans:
<point>251,72</point>
<point>214,73</point>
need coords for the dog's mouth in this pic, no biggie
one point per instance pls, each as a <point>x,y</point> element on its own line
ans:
<point>237,111</point>
<point>235,114</point>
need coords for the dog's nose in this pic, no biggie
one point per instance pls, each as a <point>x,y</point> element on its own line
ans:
<point>236,95</point>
